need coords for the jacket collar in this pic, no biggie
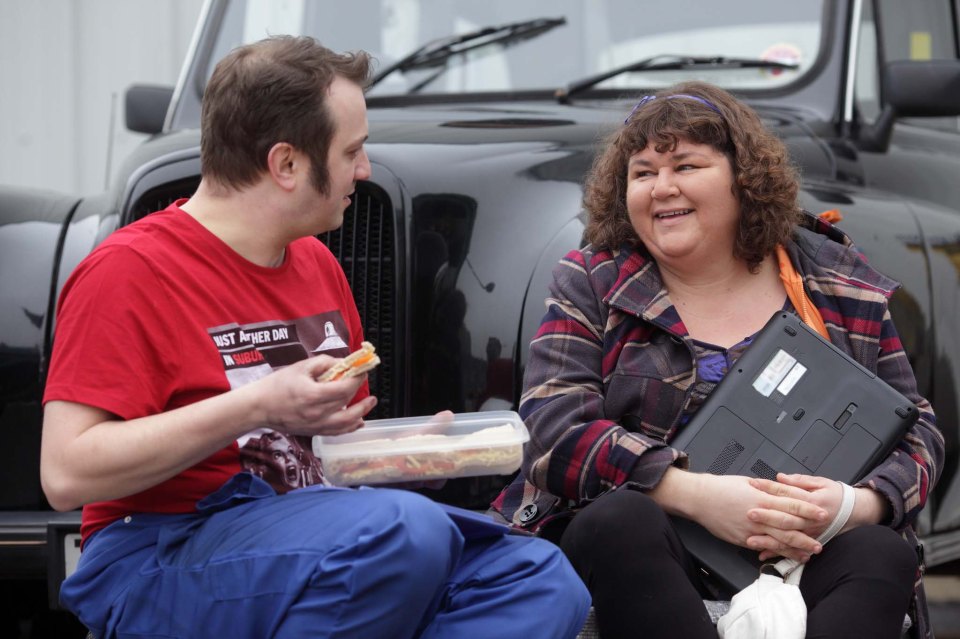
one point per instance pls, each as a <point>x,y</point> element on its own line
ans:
<point>822,250</point>
<point>819,249</point>
<point>638,289</point>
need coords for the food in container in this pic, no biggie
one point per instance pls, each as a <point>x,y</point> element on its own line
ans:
<point>440,446</point>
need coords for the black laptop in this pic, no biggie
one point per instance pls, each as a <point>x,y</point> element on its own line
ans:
<point>792,403</point>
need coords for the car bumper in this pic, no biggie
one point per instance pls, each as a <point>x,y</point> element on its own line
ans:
<point>39,545</point>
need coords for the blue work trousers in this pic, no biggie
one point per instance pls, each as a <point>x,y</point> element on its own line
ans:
<point>322,562</point>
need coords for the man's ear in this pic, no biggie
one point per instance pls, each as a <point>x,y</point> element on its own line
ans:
<point>285,164</point>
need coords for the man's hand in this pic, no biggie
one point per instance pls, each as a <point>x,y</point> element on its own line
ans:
<point>88,454</point>
<point>293,400</point>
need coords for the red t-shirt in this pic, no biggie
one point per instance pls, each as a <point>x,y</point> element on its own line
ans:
<point>163,314</point>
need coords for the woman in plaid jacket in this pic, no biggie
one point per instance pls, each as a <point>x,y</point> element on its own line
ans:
<point>690,204</point>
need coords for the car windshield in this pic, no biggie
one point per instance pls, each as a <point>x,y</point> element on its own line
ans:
<point>458,46</point>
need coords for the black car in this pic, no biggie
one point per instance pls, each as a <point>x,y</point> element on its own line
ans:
<point>484,118</point>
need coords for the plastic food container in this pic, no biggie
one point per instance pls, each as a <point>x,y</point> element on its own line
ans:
<point>420,448</point>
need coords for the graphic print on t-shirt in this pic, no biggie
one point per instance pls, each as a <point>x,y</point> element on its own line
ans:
<point>252,351</point>
<point>331,339</point>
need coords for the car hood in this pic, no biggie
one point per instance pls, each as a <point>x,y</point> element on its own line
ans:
<point>581,126</point>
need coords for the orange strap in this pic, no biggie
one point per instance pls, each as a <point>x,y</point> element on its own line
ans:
<point>793,283</point>
<point>833,216</point>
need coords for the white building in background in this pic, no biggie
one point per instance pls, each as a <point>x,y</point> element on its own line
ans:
<point>64,67</point>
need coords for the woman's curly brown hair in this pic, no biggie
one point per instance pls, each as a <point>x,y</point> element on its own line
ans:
<point>765,182</point>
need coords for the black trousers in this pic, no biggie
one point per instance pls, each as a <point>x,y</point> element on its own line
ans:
<point>644,584</point>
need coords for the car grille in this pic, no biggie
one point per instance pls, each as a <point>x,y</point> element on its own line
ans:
<point>366,249</point>
<point>161,197</point>
<point>365,245</point>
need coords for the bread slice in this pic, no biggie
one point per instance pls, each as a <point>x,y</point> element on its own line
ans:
<point>356,363</point>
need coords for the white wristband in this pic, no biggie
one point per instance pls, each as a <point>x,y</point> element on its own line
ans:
<point>788,567</point>
<point>843,515</point>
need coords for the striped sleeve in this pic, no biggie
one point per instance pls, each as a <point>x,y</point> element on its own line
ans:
<point>575,452</point>
<point>910,472</point>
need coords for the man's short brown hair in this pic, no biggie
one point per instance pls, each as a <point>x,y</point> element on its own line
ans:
<point>268,92</point>
<point>764,181</point>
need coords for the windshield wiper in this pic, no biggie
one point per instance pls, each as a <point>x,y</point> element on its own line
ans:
<point>438,52</point>
<point>671,63</point>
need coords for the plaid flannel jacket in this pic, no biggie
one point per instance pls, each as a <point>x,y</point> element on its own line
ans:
<point>611,373</point>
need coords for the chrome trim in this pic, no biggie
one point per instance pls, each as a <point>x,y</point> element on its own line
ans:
<point>185,69</point>
<point>852,54</point>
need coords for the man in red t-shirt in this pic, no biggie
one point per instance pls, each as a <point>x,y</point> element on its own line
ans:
<point>183,393</point>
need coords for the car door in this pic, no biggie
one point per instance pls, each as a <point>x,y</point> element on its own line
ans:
<point>920,167</point>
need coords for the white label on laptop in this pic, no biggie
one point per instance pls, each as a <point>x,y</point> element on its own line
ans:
<point>791,379</point>
<point>774,372</point>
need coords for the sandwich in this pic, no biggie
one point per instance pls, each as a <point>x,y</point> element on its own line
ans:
<point>356,363</point>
